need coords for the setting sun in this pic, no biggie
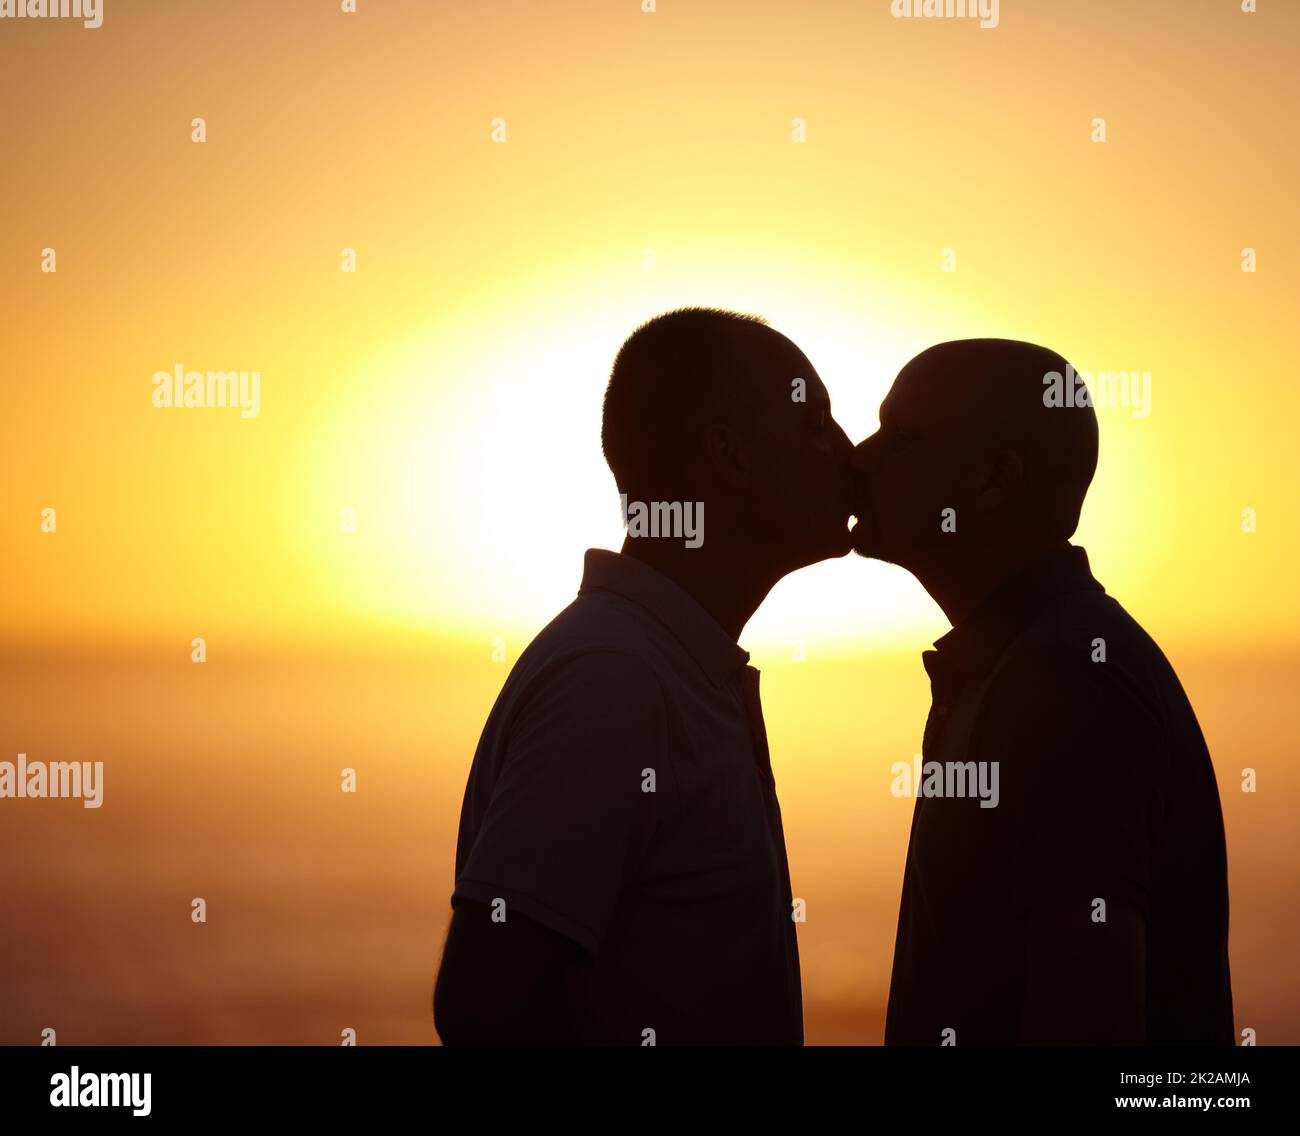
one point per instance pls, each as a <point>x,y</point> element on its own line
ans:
<point>427,229</point>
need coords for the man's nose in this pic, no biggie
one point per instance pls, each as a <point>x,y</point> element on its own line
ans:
<point>843,447</point>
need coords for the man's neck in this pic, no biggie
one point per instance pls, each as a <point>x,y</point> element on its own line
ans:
<point>960,586</point>
<point>730,591</point>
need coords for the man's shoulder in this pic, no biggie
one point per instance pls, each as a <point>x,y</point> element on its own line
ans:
<point>1084,654</point>
<point>603,620</point>
<point>1081,630</point>
<point>600,642</point>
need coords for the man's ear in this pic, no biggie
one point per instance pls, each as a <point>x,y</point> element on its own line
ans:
<point>726,454</point>
<point>1003,474</point>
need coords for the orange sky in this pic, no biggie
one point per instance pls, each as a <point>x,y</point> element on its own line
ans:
<point>447,392</point>
<point>495,280</point>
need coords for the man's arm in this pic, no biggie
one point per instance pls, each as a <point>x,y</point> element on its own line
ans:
<point>567,825</point>
<point>1085,982</point>
<point>502,983</point>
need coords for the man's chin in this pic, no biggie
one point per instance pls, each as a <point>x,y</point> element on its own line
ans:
<point>843,543</point>
<point>833,545</point>
<point>865,541</point>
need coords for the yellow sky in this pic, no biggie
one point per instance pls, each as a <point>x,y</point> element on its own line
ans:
<point>448,390</point>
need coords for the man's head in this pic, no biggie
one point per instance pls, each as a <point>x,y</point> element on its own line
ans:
<point>713,406</point>
<point>966,427</point>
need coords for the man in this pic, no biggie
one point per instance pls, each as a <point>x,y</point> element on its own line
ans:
<point>1086,902</point>
<point>621,873</point>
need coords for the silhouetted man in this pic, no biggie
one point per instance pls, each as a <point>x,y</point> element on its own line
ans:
<point>1086,901</point>
<point>621,872</point>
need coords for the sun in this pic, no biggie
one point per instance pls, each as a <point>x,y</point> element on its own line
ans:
<point>469,458</point>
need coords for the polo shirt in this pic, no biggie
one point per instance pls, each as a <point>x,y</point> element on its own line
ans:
<point>1106,791</point>
<point>622,796</point>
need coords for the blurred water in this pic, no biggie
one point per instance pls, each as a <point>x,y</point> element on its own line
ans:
<point>326,910</point>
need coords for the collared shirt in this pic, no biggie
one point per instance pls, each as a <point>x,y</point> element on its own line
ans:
<point>1105,791</point>
<point>622,796</point>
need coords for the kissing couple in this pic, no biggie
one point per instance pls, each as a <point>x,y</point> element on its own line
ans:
<point>621,870</point>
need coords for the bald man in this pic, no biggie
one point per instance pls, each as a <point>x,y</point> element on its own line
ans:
<point>1084,901</point>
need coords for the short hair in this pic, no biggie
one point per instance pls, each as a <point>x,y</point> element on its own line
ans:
<point>671,372</point>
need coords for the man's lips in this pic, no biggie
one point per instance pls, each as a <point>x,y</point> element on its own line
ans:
<point>862,514</point>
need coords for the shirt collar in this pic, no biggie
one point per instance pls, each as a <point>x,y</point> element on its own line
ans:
<point>974,645</point>
<point>716,653</point>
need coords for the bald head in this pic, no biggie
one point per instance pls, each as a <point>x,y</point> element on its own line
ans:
<point>989,394</point>
<point>975,451</point>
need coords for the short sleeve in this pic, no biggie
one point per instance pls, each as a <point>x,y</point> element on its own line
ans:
<point>1079,757</point>
<point>569,817</point>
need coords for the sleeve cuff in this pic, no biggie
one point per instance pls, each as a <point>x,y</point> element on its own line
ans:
<point>535,909</point>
